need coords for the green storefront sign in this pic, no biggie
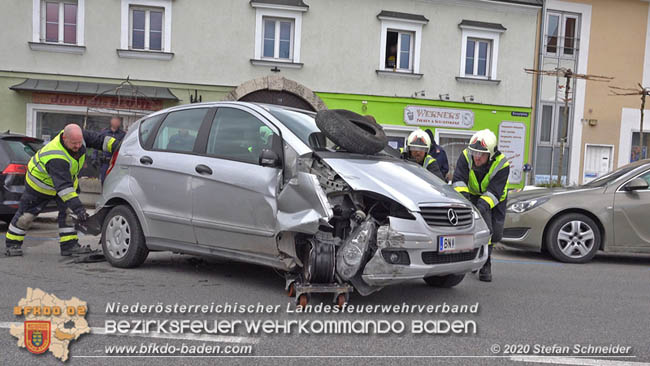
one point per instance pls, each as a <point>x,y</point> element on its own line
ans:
<point>453,123</point>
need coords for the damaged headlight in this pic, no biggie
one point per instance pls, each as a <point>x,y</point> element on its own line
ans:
<point>351,254</point>
<point>387,237</point>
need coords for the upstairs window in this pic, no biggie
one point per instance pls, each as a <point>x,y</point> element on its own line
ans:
<point>478,57</point>
<point>278,38</point>
<point>561,34</point>
<point>399,50</point>
<point>146,29</point>
<point>59,22</point>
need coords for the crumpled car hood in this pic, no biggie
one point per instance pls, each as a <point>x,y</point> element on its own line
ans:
<point>402,181</point>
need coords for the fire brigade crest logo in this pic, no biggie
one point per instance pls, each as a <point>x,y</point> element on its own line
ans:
<point>37,335</point>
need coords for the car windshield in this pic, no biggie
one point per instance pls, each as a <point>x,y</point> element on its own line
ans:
<point>614,175</point>
<point>303,125</point>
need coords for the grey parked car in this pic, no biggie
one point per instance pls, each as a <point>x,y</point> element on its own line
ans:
<point>609,213</point>
<point>262,184</point>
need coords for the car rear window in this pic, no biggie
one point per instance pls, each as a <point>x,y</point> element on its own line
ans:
<point>20,151</point>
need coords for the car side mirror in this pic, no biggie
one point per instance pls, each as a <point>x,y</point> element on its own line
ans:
<point>269,158</point>
<point>636,184</point>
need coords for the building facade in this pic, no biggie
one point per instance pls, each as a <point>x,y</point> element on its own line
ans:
<point>451,66</point>
<point>593,38</point>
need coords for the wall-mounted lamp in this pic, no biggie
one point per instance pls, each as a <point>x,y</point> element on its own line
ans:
<point>364,105</point>
<point>418,93</point>
<point>443,96</point>
<point>467,98</point>
<point>592,122</point>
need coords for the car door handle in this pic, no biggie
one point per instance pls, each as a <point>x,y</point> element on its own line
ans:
<point>146,160</point>
<point>203,169</point>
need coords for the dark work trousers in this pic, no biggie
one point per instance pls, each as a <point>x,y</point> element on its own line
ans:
<point>31,204</point>
<point>495,219</point>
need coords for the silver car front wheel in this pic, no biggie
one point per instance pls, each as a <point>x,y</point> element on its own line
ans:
<point>573,238</point>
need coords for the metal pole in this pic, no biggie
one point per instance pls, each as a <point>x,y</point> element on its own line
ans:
<point>645,92</point>
<point>564,128</point>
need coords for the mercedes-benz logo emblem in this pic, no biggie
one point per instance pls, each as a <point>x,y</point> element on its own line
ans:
<point>452,216</point>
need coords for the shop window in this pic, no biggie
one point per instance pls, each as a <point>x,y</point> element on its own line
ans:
<point>59,21</point>
<point>49,124</point>
<point>637,153</point>
<point>453,142</point>
<point>561,34</point>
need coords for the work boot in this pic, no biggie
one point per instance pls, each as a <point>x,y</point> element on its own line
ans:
<point>485,274</point>
<point>74,249</point>
<point>13,250</point>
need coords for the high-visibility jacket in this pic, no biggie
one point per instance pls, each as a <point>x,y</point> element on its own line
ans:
<point>429,163</point>
<point>39,179</point>
<point>472,185</point>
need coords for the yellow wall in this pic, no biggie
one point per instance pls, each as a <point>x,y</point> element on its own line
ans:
<point>616,49</point>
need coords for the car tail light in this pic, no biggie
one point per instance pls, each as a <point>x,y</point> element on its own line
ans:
<point>112,163</point>
<point>15,169</point>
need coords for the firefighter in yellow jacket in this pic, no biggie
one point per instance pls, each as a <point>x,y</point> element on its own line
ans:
<point>481,175</point>
<point>52,175</point>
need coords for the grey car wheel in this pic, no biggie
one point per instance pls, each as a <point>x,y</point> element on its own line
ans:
<point>573,238</point>
<point>122,238</point>
<point>118,236</point>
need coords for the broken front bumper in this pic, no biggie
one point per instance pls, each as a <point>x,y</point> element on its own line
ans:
<point>418,240</point>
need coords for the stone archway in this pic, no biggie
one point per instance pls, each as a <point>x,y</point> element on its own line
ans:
<point>276,89</point>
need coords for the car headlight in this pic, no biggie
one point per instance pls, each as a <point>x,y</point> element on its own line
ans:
<point>523,206</point>
<point>351,253</point>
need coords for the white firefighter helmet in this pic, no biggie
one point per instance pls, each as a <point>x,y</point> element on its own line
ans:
<point>418,140</point>
<point>483,141</point>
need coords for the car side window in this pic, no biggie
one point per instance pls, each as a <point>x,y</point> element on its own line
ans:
<point>146,126</point>
<point>238,135</point>
<point>646,177</point>
<point>179,130</point>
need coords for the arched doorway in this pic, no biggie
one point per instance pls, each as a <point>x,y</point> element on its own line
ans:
<point>278,90</point>
<point>277,97</point>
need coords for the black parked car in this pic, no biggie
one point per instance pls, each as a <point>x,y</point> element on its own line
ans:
<point>15,152</point>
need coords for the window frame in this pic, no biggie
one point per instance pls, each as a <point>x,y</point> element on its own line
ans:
<point>561,34</point>
<point>263,11</point>
<point>401,26</point>
<point>276,39</point>
<point>483,34</point>
<point>147,28</point>
<point>39,15</point>
<point>126,26</point>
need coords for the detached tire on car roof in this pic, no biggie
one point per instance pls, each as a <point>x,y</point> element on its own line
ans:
<point>573,238</point>
<point>122,238</point>
<point>352,131</point>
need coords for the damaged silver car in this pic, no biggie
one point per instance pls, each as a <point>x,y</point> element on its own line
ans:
<point>263,184</point>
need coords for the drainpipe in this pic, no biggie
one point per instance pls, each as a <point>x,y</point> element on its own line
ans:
<point>540,61</point>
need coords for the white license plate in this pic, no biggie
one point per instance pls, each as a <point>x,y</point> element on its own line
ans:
<point>447,244</point>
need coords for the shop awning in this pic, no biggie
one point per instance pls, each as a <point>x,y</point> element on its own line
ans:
<point>86,88</point>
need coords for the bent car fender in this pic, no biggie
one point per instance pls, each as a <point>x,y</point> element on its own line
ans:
<point>302,205</point>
